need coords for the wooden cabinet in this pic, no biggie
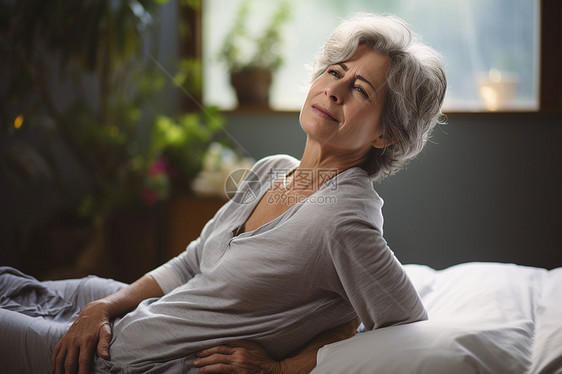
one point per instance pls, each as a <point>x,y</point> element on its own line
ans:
<point>185,218</point>
<point>129,244</point>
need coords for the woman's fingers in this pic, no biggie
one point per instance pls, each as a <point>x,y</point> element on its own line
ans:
<point>215,363</point>
<point>90,332</point>
<point>60,359</point>
<point>211,361</point>
<point>70,361</point>
<point>215,360</point>
<point>56,351</point>
<point>84,360</point>
<point>104,340</point>
<point>71,356</point>
<point>65,360</point>
<point>242,357</point>
<point>220,349</point>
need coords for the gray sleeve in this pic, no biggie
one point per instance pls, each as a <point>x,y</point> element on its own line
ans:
<point>179,269</point>
<point>185,266</point>
<point>371,277</point>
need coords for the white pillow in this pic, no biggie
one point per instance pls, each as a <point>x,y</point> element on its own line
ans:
<point>482,319</point>
<point>547,350</point>
<point>431,347</point>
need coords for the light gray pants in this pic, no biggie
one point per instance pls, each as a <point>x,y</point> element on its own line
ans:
<point>35,315</point>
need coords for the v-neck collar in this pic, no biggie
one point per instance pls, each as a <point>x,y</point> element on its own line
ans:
<point>249,209</point>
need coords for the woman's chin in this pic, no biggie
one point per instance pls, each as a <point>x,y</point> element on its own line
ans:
<point>320,129</point>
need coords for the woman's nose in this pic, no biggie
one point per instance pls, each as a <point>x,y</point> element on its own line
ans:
<point>334,91</point>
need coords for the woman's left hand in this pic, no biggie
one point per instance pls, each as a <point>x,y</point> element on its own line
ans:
<point>241,357</point>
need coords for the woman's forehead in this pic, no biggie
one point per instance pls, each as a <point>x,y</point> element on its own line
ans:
<point>368,63</point>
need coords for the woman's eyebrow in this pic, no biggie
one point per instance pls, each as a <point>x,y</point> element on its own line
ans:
<point>360,77</point>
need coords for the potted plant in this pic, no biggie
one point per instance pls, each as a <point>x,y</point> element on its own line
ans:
<point>252,59</point>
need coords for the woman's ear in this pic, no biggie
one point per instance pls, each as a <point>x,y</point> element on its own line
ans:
<point>383,141</point>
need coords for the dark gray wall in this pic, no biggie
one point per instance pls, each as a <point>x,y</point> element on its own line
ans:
<point>487,187</point>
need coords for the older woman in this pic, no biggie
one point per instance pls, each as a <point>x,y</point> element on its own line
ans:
<point>307,254</point>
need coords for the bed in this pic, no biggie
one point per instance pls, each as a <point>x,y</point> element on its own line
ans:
<point>483,318</point>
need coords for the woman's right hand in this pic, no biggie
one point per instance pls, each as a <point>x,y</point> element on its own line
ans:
<point>91,330</point>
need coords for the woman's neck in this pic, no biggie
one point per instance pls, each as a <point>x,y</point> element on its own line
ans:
<point>316,156</point>
<point>318,165</point>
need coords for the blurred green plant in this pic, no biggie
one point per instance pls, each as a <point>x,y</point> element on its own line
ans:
<point>245,51</point>
<point>112,130</point>
<point>182,143</point>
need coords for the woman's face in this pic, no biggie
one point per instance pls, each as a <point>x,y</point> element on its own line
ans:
<point>343,109</point>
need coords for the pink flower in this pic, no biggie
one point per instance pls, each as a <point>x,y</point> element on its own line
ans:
<point>150,197</point>
<point>158,166</point>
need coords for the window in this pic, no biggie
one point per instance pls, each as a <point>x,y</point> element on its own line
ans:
<point>490,47</point>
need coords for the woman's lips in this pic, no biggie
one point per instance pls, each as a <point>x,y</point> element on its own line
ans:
<point>323,113</point>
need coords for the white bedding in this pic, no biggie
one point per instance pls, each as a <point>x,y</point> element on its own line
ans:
<point>483,318</point>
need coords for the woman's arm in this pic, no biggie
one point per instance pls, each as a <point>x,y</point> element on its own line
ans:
<point>246,357</point>
<point>128,298</point>
<point>92,328</point>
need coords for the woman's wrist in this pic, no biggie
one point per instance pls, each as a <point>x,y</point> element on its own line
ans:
<point>295,365</point>
<point>279,367</point>
<point>109,306</point>
<point>128,298</point>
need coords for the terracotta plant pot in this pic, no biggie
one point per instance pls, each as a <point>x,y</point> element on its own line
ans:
<point>251,86</point>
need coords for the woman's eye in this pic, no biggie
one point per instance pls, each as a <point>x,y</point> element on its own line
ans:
<point>335,73</point>
<point>361,91</point>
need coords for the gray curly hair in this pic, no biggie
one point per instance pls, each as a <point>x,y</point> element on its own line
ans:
<point>416,85</point>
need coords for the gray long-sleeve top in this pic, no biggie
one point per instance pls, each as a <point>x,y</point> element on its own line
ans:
<point>315,267</point>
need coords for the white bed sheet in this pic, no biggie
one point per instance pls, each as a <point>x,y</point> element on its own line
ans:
<point>483,318</point>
